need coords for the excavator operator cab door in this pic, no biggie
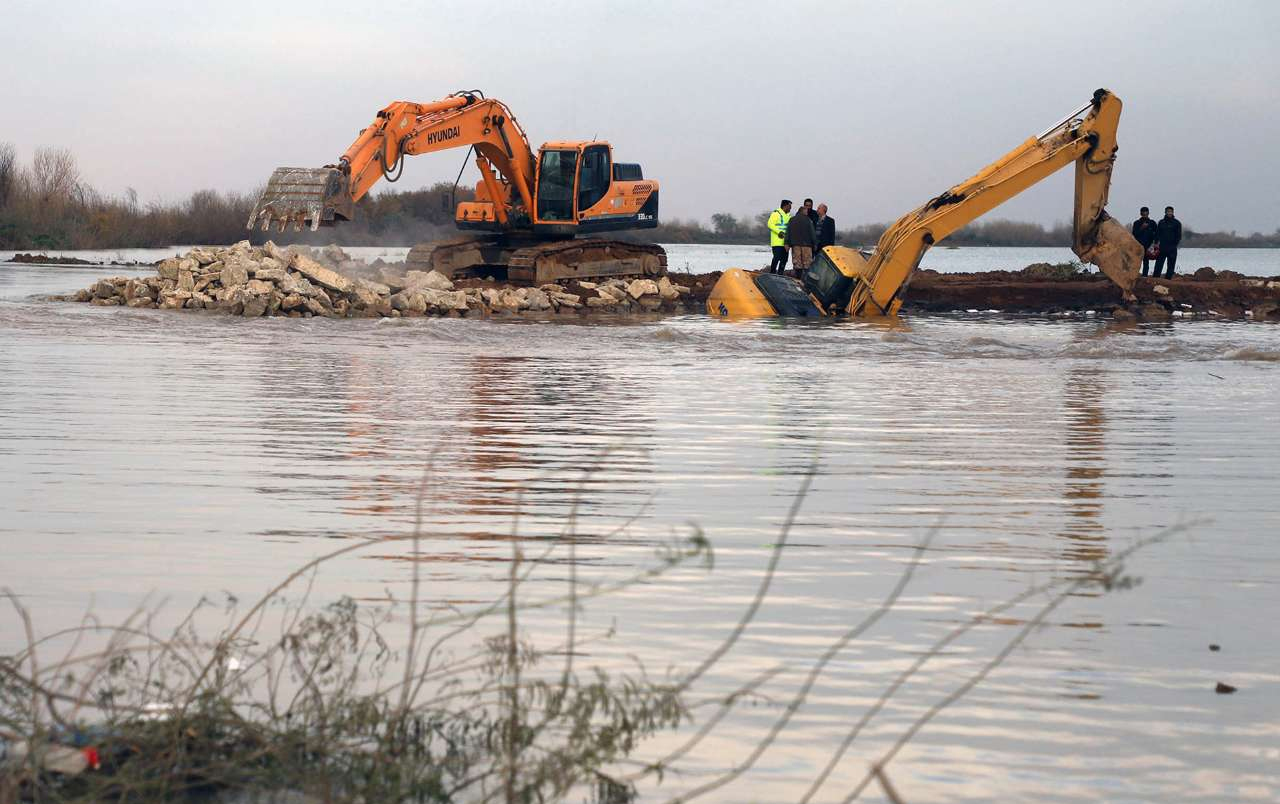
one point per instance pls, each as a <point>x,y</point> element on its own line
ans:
<point>593,177</point>
<point>557,180</point>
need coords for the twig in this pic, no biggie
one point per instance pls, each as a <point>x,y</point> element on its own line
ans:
<point>747,616</point>
<point>1100,575</point>
<point>803,693</point>
<point>513,663</point>
<point>883,779</point>
<point>411,656</point>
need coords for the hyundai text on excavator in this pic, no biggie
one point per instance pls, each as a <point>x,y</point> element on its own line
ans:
<point>529,210</point>
<point>845,280</point>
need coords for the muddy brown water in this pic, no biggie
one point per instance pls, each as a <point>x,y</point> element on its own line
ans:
<point>179,455</point>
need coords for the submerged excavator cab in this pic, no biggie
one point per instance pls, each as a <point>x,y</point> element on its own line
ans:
<point>832,276</point>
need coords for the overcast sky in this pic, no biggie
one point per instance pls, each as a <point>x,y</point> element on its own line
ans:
<point>873,107</point>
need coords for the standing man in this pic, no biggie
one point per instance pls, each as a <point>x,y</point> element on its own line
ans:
<point>1144,231</point>
<point>807,207</point>
<point>777,224</point>
<point>800,237</point>
<point>825,229</point>
<point>1168,235</point>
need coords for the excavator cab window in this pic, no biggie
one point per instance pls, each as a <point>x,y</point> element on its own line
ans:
<point>556,173</point>
<point>627,171</point>
<point>593,182</point>
<point>827,284</point>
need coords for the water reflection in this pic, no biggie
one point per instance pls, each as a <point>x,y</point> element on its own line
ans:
<point>1086,443</point>
<point>490,432</point>
<point>1035,444</point>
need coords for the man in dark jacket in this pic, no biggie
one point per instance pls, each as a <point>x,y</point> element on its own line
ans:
<point>824,229</point>
<point>1144,231</point>
<point>800,237</point>
<point>808,210</point>
<point>1168,235</point>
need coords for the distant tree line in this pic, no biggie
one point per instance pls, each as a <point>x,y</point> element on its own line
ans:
<point>729,229</point>
<point>47,205</point>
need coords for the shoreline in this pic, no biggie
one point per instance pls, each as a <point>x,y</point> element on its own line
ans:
<point>301,282</point>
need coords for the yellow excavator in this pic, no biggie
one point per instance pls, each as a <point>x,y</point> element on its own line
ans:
<point>844,280</point>
<point>530,210</point>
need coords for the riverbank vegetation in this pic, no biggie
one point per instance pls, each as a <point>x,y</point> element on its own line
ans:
<point>412,701</point>
<point>47,204</point>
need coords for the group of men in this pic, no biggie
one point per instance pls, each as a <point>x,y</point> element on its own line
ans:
<point>810,230</point>
<point>807,231</point>
<point>1159,240</point>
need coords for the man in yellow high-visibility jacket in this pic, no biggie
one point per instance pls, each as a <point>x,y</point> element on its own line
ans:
<point>777,224</point>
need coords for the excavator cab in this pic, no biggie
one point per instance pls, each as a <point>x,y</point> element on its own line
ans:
<point>580,189</point>
<point>833,276</point>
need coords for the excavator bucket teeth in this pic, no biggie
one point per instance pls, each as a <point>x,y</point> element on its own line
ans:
<point>311,197</point>
<point>1117,254</point>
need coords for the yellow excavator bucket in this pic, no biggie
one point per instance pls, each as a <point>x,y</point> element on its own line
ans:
<point>1113,249</point>
<point>312,197</point>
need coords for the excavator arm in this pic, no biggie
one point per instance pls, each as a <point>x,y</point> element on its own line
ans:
<point>323,196</point>
<point>1089,141</point>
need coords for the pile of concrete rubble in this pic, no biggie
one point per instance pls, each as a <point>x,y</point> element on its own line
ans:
<point>299,282</point>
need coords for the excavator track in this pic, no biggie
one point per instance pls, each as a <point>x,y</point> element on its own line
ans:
<point>586,259</point>
<point>456,256</point>
<point>538,263</point>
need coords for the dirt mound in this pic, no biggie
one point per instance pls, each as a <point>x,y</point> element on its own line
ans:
<point>1208,293</point>
<point>1047,289</point>
<point>44,259</point>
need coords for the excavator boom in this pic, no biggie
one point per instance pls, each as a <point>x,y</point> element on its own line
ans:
<point>844,279</point>
<point>323,196</point>
<point>1086,138</point>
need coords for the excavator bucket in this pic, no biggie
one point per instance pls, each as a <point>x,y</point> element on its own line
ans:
<point>1113,249</point>
<point>312,197</point>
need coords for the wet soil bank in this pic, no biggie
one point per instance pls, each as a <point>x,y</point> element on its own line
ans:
<point>1207,293</point>
<point>301,282</point>
<point>43,259</point>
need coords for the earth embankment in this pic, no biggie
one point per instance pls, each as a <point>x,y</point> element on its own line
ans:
<point>301,282</point>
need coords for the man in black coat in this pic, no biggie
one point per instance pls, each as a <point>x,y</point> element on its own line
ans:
<point>1144,231</point>
<point>1168,235</point>
<point>825,227</point>
<point>807,209</point>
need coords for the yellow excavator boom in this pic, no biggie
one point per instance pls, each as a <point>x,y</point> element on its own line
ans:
<point>1086,137</point>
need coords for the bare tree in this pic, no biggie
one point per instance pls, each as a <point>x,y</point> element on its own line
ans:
<point>8,171</point>
<point>54,176</point>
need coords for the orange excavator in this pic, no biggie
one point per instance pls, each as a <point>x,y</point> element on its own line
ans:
<point>530,213</point>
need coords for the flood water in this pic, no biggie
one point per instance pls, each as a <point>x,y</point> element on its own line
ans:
<point>146,452</point>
